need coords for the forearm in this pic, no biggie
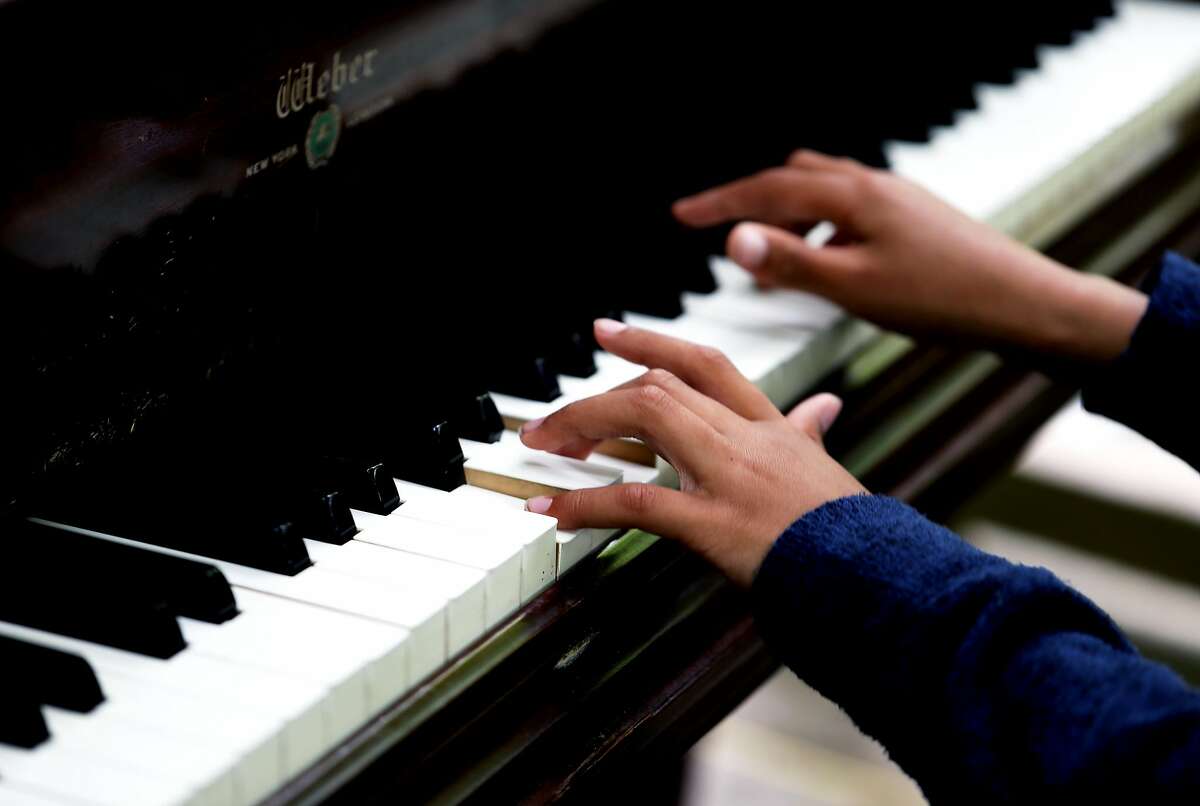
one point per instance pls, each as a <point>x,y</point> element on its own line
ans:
<point>938,650</point>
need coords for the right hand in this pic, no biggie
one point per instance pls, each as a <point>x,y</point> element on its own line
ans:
<point>908,261</point>
<point>746,472</point>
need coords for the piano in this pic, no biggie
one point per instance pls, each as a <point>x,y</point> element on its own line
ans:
<point>279,283</point>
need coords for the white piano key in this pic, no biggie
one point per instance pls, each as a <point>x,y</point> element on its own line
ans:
<point>70,774</point>
<point>754,355</point>
<point>14,794</point>
<point>498,556</point>
<point>462,587</point>
<point>570,547</point>
<point>201,765</point>
<point>535,532</point>
<point>1067,133</point>
<point>221,727</point>
<point>282,703</point>
<point>738,302</point>
<point>356,658</point>
<point>515,470</point>
<point>630,471</point>
<point>420,644</point>
<point>541,473</point>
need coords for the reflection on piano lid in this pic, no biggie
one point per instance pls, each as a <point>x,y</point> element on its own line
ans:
<point>269,304</point>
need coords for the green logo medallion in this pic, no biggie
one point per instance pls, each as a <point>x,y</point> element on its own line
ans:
<point>322,138</point>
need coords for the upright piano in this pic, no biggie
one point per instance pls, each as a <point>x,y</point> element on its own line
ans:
<point>279,283</point>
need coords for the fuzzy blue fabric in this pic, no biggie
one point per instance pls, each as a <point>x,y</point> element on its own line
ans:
<point>986,681</point>
<point>1151,387</point>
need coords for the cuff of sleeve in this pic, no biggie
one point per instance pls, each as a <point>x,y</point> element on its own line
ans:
<point>1169,328</point>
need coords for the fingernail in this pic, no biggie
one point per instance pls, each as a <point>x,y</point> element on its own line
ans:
<point>829,413</point>
<point>610,327</point>
<point>748,246</point>
<point>540,505</point>
<point>531,425</point>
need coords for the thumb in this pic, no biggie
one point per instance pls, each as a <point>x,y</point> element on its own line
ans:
<point>815,416</point>
<point>776,257</point>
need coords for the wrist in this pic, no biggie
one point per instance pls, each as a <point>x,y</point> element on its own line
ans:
<point>1092,318</point>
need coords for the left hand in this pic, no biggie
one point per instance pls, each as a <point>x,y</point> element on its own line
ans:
<point>908,261</point>
<point>746,472</point>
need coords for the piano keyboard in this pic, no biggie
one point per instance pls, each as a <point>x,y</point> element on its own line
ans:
<point>215,708</point>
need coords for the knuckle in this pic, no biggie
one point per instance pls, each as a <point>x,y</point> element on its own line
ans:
<point>872,184</point>
<point>864,185</point>
<point>711,359</point>
<point>658,377</point>
<point>853,165</point>
<point>651,406</point>
<point>638,498</point>
<point>651,399</point>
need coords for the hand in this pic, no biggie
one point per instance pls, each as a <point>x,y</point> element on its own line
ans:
<point>746,472</point>
<point>908,261</point>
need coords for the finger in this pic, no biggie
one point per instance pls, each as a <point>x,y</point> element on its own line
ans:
<point>808,159</point>
<point>816,415</point>
<point>648,413</point>
<point>780,196</point>
<point>776,257</point>
<point>659,510</point>
<point>709,410</point>
<point>705,369</point>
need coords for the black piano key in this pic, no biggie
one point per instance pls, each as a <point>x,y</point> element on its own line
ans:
<point>365,484</point>
<point>693,250</point>
<point>531,378</point>
<point>233,510</point>
<point>190,588</point>
<point>572,354</point>
<point>476,417</point>
<point>68,598</point>
<point>325,515</point>
<point>664,303</point>
<point>429,455</point>
<point>53,677</point>
<point>270,545</point>
<point>21,720</point>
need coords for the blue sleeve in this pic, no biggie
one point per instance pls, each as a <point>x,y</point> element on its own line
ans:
<point>1153,386</point>
<point>987,682</point>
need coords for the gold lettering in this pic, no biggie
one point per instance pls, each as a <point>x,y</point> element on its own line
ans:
<point>296,87</point>
<point>308,77</point>
<point>297,93</point>
<point>339,72</point>
<point>281,98</point>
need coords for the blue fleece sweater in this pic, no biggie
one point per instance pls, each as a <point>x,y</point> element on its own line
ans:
<point>986,681</point>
